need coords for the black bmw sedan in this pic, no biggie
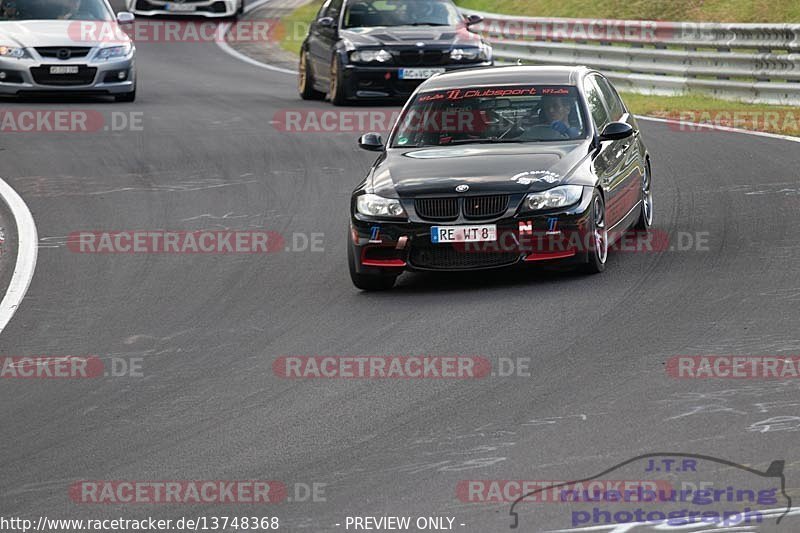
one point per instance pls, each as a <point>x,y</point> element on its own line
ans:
<point>494,167</point>
<point>384,49</point>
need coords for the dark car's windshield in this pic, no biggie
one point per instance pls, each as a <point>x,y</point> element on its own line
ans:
<point>502,114</point>
<point>54,10</point>
<point>369,13</point>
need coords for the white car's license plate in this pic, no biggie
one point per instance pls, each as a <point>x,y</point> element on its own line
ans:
<point>418,73</point>
<point>440,234</point>
<point>64,70</point>
<point>180,7</point>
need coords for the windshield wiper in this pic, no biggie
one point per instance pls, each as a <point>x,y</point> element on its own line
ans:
<point>486,140</point>
<point>426,24</point>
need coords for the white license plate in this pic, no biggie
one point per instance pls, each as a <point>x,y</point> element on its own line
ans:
<point>418,73</point>
<point>440,234</point>
<point>64,70</point>
<point>180,7</point>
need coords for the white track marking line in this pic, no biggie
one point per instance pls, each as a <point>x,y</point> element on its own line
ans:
<point>712,127</point>
<point>225,47</point>
<point>27,249</point>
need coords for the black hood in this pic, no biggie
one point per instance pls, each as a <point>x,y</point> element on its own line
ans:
<point>401,36</point>
<point>489,169</point>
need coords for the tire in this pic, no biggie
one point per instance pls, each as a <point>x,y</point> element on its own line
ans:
<point>336,90</point>
<point>369,282</point>
<point>126,97</point>
<point>598,248</point>
<point>305,80</point>
<point>646,215</point>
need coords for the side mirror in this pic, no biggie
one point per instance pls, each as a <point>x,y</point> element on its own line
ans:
<point>474,19</point>
<point>616,131</point>
<point>327,22</point>
<point>372,142</point>
<point>124,17</point>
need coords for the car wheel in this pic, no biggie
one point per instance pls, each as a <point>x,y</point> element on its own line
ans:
<point>598,245</point>
<point>306,80</point>
<point>646,215</point>
<point>369,282</point>
<point>336,91</point>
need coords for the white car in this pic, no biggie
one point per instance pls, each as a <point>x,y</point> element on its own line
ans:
<point>72,46</point>
<point>197,8</point>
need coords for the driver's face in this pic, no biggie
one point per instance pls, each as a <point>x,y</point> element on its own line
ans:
<point>556,109</point>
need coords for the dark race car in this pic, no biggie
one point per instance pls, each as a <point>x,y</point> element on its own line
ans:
<point>492,167</point>
<point>383,49</point>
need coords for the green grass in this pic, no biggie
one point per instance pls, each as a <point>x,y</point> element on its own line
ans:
<point>675,10</point>
<point>296,26</point>
<point>783,120</point>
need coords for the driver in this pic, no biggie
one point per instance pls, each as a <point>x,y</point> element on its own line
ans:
<point>71,9</point>
<point>555,113</point>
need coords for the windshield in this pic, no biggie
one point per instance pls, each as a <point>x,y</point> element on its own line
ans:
<point>369,13</point>
<point>503,114</point>
<point>54,10</point>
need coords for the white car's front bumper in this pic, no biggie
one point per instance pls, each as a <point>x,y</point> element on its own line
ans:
<point>32,76</point>
<point>196,8</point>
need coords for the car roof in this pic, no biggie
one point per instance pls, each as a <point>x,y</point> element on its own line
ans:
<point>516,75</point>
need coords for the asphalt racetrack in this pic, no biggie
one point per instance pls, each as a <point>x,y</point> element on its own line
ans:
<point>206,329</point>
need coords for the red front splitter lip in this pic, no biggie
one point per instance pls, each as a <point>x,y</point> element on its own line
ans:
<point>546,256</point>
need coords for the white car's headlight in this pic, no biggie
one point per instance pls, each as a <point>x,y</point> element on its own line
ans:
<point>378,206</point>
<point>370,56</point>
<point>113,52</point>
<point>563,196</point>
<point>11,51</point>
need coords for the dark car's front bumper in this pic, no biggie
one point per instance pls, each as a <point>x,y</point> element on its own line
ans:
<point>387,247</point>
<point>384,82</point>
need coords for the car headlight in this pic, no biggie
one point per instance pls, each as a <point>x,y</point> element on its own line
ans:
<point>482,53</point>
<point>11,51</point>
<point>378,206</point>
<point>562,196</point>
<point>370,56</point>
<point>113,52</point>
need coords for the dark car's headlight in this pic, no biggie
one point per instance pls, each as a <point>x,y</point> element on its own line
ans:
<point>377,206</point>
<point>370,56</point>
<point>473,53</point>
<point>563,196</point>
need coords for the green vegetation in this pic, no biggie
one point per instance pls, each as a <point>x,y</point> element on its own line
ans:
<point>296,26</point>
<point>707,110</point>
<point>677,10</point>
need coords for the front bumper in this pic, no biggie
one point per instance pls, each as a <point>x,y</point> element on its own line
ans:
<point>391,247</point>
<point>202,8</point>
<point>383,82</point>
<point>31,76</point>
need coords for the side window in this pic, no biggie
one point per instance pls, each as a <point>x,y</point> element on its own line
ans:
<point>334,8</point>
<point>615,105</point>
<point>596,106</point>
